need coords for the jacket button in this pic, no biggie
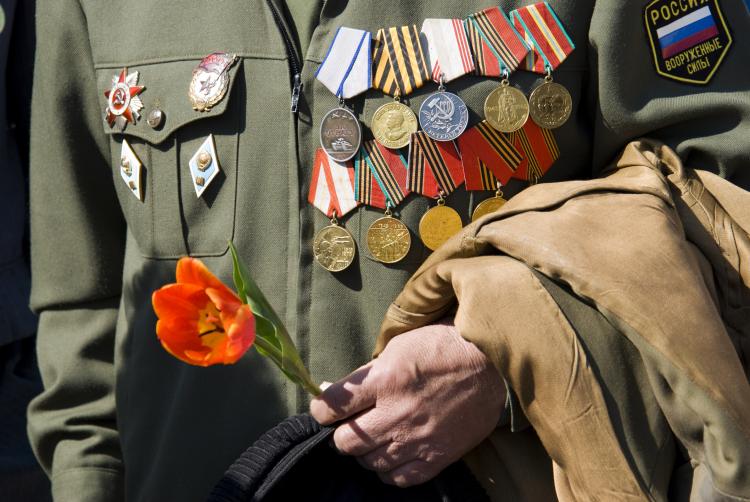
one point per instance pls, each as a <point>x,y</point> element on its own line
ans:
<point>155,118</point>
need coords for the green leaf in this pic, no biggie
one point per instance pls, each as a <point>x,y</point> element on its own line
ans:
<point>272,338</point>
<point>239,282</point>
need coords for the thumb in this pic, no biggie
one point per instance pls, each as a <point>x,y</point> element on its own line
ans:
<point>346,397</point>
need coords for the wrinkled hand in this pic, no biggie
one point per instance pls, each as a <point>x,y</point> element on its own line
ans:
<point>428,399</point>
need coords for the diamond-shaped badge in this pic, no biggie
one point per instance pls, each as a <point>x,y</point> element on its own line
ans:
<point>204,165</point>
<point>130,169</point>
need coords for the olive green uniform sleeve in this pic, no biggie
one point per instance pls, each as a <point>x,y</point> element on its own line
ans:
<point>78,240</point>
<point>705,124</point>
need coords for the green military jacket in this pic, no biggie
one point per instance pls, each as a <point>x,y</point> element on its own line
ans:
<point>122,419</point>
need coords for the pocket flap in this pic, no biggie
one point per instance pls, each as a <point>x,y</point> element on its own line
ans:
<point>165,88</point>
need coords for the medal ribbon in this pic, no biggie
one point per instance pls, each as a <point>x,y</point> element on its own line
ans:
<point>346,69</point>
<point>495,43</point>
<point>332,186</point>
<point>539,148</point>
<point>448,48</point>
<point>389,170</point>
<point>366,189</point>
<point>433,166</point>
<point>484,148</point>
<point>544,33</point>
<point>399,61</point>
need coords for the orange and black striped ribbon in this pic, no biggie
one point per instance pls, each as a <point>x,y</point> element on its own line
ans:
<point>399,62</point>
<point>539,148</point>
<point>366,188</point>
<point>483,149</point>
<point>388,169</point>
<point>433,166</point>
<point>495,43</point>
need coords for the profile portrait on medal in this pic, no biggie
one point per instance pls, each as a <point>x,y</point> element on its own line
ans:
<point>394,125</point>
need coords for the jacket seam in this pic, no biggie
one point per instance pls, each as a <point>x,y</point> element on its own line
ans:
<point>104,65</point>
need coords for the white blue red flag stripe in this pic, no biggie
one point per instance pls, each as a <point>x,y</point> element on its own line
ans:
<point>696,27</point>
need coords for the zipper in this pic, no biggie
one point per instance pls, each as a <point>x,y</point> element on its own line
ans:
<point>294,64</point>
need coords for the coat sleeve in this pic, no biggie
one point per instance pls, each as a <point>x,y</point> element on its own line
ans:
<point>78,239</point>
<point>705,124</point>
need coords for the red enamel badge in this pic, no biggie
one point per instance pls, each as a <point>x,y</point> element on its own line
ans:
<point>124,104</point>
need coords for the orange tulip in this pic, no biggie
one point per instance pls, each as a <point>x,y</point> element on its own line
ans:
<point>201,321</point>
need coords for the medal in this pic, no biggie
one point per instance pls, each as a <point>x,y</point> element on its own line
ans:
<point>210,81</point>
<point>333,247</point>
<point>443,115</point>
<point>332,192</point>
<point>506,108</point>
<point>388,239</point>
<point>340,134</point>
<point>400,68</point>
<point>393,124</point>
<point>490,205</point>
<point>130,169</point>
<point>439,224</point>
<point>345,71</point>
<point>123,103</point>
<point>550,103</point>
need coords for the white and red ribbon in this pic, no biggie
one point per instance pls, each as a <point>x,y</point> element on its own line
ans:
<point>332,186</point>
<point>448,48</point>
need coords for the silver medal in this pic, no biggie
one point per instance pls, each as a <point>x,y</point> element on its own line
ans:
<point>443,116</point>
<point>340,134</point>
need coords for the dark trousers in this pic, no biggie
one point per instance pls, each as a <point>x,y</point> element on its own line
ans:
<point>21,478</point>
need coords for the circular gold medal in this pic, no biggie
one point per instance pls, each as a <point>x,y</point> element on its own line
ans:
<point>393,124</point>
<point>388,240</point>
<point>438,225</point>
<point>334,248</point>
<point>550,105</point>
<point>506,108</point>
<point>487,206</point>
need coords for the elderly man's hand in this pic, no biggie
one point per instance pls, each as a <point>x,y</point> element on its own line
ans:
<point>428,399</point>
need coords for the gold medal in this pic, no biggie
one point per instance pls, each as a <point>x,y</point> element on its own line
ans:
<point>388,239</point>
<point>506,108</point>
<point>334,247</point>
<point>490,205</point>
<point>393,124</point>
<point>439,224</point>
<point>550,104</point>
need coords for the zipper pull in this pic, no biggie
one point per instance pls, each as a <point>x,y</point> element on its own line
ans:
<point>296,91</point>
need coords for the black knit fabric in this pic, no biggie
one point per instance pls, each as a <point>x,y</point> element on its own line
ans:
<point>294,461</point>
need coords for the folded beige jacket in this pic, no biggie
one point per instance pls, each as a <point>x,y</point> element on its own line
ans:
<point>663,252</point>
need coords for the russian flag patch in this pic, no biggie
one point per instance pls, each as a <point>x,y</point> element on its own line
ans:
<point>689,38</point>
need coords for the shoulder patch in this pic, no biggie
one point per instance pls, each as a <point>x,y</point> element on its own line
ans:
<point>689,38</point>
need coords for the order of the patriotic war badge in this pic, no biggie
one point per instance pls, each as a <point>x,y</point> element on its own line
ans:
<point>689,38</point>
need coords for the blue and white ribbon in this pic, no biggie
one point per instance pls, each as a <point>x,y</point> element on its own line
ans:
<point>345,71</point>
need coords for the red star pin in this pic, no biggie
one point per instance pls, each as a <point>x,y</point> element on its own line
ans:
<point>124,104</point>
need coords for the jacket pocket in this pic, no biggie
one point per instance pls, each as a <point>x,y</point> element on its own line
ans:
<point>171,220</point>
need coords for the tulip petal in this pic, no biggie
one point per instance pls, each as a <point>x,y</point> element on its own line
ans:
<point>193,271</point>
<point>175,300</point>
